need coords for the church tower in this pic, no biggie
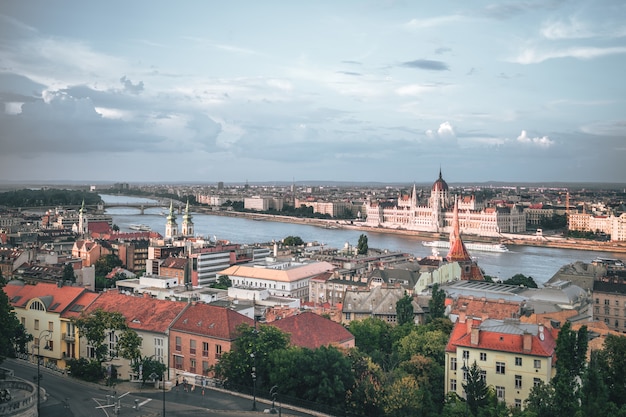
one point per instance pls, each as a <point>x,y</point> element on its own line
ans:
<point>82,220</point>
<point>187,222</point>
<point>171,228</point>
<point>458,253</point>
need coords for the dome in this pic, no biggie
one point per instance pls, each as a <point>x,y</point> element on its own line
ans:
<point>440,184</point>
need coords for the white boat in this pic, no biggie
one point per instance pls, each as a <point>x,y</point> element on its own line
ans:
<point>484,247</point>
<point>140,227</point>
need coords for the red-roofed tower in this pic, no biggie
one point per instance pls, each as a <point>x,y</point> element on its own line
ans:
<point>458,252</point>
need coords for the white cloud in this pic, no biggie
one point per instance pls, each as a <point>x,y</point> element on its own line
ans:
<point>413,89</point>
<point>432,22</point>
<point>446,130</point>
<point>571,29</point>
<point>533,56</point>
<point>543,141</point>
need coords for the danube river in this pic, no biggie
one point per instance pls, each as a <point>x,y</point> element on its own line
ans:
<point>538,262</point>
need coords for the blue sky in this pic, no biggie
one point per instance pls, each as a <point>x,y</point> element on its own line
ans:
<point>385,91</point>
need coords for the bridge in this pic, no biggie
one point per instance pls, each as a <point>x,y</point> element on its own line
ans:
<point>146,204</point>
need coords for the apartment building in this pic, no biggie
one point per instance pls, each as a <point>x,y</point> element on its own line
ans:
<point>512,356</point>
<point>609,301</point>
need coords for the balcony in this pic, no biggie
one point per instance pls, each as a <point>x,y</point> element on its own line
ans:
<point>69,337</point>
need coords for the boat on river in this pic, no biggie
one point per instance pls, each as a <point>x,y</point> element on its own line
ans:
<point>483,247</point>
<point>140,227</point>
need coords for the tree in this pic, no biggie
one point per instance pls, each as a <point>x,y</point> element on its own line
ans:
<point>363,398</point>
<point>293,241</point>
<point>476,389</point>
<point>68,273</point>
<point>223,282</point>
<point>571,353</point>
<point>613,361</point>
<point>13,335</point>
<point>520,279</point>
<point>437,303</point>
<point>404,310</point>
<point>146,366</point>
<point>106,263</point>
<point>362,247</point>
<point>373,337</point>
<point>400,398</point>
<point>594,392</point>
<point>252,347</point>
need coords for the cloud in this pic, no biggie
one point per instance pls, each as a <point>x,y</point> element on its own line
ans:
<point>431,22</point>
<point>414,89</point>
<point>426,64</point>
<point>445,131</point>
<point>614,128</point>
<point>130,87</point>
<point>442,50</point>
<point>543,141</point>
<point>505,10</point>
<point>532,56</point>
<point>571,29</point>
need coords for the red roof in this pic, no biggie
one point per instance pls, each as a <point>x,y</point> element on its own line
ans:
<point>142,313</point>
<point>98,227</point>
<point>56,299</point>
<point>312,331</point>
<point>80,304</point>
<point>174,263</point>
<point>502,341</point>
<point>209,320</point>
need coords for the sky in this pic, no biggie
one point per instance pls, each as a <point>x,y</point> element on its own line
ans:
<point>370,90</point>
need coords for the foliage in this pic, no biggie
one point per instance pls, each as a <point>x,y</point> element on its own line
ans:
<point>404,310</point>
<point>106,263</point>
<point>373,337</point>
<point>476,389</point>
<point>252,347</point>
<point>293,241</point>
<point>400,399</point>
<point>421,342</point>
<point>85,369</point>
<point>146,366</point>
<point>47,198</point>
<point>437,303</point>
<point>322,375</point>
<point>362,246</point>
<point>223,282</point>
<point>571,351</point>
<point>13,335</point>
<point>95,327</point>
<point>520,279</point>
<point>68,273</point>
<point>613,362</point>
<point>363,398</point>
<point>430,377</point>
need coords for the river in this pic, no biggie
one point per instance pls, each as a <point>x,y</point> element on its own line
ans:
<point>540,263</point>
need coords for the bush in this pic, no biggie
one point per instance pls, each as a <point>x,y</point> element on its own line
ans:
<point>86,370</point>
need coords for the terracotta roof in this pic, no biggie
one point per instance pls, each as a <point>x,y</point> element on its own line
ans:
<point>142,313</point>
<point>487,308</point>
<point>312,331</point>
<point>80,304</point>
<point>56,299</point>
<point>98,226</point>
<point>209,320</point>
<point>174,263</point>
<point>294,273</point>
<point>502,336</point>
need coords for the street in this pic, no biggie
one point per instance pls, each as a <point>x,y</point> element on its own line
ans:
<point>70,397</point>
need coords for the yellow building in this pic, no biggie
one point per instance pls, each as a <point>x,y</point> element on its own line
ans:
<point>513,356</point>
<point>45,310</point>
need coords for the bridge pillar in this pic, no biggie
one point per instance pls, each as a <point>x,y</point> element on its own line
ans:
<point>141,209</point>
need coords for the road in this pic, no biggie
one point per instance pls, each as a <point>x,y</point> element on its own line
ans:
<point>69,397</point>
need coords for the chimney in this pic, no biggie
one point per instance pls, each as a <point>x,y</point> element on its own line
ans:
<point>475,336</point>
<point>469,322</point>
<point>527,342</point>
<point>462,317</point>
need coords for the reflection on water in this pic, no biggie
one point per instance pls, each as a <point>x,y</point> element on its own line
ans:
<point>539,263</point>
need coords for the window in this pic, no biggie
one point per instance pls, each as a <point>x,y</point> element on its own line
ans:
<point>36,324</point>
<point>218,351</point>
<point>483,356</point>
<point>483,375</point>
<point>518,361</point>
<point>192,347</point>
<point>537,364</point>
<point>37,305</point>
<point>50,345</point>
<point>50,326</point>
<point>606,302</point>
<point>205,367</point>
<point>466,354</point>
<point>178,344</point>
<point>205,349</point>
<point>518,382</point>
<point>536,381</point>
<point>518,403</point>
<point>500,392</point>
<point>453,364</point>
<point>23,320</point>
<point>597,301</point>
<point>500,368</point>
<point>348,316</point>
<point>192,366</point>
<point>178,362</point>
<point>453,385</point>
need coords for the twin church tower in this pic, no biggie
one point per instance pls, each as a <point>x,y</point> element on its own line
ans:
<point>171,227</point>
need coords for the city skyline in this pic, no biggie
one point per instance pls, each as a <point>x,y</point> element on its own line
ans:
<point>375,91</point>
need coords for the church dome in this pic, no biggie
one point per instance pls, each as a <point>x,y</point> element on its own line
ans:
<point>440,184</point>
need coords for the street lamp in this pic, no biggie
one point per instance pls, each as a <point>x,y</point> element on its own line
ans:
<point>46,334</point>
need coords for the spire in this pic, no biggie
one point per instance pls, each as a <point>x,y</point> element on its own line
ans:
<point>457,251</point>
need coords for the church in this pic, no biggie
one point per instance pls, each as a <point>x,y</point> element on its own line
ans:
<point>436,214</point>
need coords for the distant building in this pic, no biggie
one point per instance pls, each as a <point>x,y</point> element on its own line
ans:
<point>311,331</point>
<point>609,301</point>
<point>377,302</point>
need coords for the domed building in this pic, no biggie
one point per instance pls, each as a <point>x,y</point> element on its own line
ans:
<point>436,213</point>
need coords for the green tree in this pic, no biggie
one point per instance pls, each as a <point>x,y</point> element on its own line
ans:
<point>430,377</point>
<point>293,241</point>
<point>106,263</point>
<point>13,335</point>
<point>430,344</point>
<point>363,398</point>
<point>571,353</point>
<point>252,348</point>
<point>373,337</point>
<point>400,398</point>
<point>437,303</point>
<point>520,279</point>
<point>404,310</point>
<point>223,282</point>
<point>476,389</point>
<point>146,366</point>
<point>95,327</point>
<point>594,392</point>
<point>362,246</point>
<point>68,273</point>
<point>540,401</point>
<point>613,362</point>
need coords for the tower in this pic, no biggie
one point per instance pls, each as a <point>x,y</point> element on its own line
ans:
<point>458,253</point>
<point>82,220</point>
<point>187,222</point>
<point>171,228</point>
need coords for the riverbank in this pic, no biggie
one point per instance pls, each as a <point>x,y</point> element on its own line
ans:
<point>518,240</point>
